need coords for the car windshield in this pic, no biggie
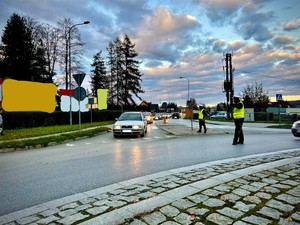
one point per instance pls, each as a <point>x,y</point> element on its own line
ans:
<point>130,116</point>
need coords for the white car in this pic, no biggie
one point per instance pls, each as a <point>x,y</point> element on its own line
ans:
<point>296,129</point>
<point>219,115</point>
<point>130,124</point>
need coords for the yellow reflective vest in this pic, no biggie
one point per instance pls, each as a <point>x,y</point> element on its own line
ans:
<point>201,115</point>
<point>239,113</point>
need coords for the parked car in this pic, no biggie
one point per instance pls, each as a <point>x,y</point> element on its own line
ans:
<point>158,116</point>
<point>129,124</point>
<point>176,115</point>
<point>148,116</point>
<point>219,115</point>
<point>296,129</point>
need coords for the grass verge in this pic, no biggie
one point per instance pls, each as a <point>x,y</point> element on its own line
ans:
<point>42,136</point>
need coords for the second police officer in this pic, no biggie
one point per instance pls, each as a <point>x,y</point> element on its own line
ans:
<point>201,117</point>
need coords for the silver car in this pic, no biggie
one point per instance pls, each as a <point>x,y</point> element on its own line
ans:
<point>130,124</point>
<point>296,129</point>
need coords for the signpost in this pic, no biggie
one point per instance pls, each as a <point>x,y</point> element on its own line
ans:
<point>79,93</point>
<point>279,100</point>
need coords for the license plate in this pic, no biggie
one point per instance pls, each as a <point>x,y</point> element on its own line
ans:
<point>127,131</point>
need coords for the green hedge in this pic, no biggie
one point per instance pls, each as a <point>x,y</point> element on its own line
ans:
<point>18,120</point>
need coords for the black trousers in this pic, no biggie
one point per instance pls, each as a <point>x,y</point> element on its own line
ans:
<point>202,124</point>
<point>238,133</point>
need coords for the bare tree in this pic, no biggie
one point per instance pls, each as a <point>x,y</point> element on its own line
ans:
<point>76,45</point>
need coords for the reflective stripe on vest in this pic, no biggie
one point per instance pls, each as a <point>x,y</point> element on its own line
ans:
<point>238,113</point>
<point>201,115</point>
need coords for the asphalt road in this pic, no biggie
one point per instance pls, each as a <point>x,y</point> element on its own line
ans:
<point>32,177</point>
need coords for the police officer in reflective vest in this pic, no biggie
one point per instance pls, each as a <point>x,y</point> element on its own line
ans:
<point>201,117</point>
<point>238,116</point>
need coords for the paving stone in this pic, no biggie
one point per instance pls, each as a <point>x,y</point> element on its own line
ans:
<point>67,212</point>
<point>257,220</point>
<point>250,188</point>
<point>241,223</point>
<point>72,219</point>
<point>223,188</point>
<point>272,190</point>
<point>263,195</point>
<point>270,212</point>
<point>83,207</point>
<point>183,204</point>
<point>234,184</point>
<point>48,220</point>
<point>279,205</point>
<point>159,190</point>
<point>232,197</point>
<point>290,182</point>
<point>137,222</point>
<point>29,219</point>
<point>281,186</point>
<point>296,216</point>
<point>49,212</point>
<point>198,211</point>
<point>289,199</point>
<point>213,202</point>
<point>154,218</point>
<point>198,198</point>
<point>243,207</point>
<point>241,192</point>
<point>72,205</point>
<point>211,192</point>
<point>169,211</point>
<point>252,199</point>
<point>231,212</point>
<point>283,221</point>
<point>183,219</point>
<point>170,223</point>
<point>87,200</point>
<point>219,219</point>
<point>295,191</point>
<point>97,210</point>
<point>147,194</point>
<point>251,178</point>
<point>269,181</point>
<point>259,184</point>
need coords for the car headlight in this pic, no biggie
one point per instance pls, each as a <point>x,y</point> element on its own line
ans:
<point>294,125</point>
<point>137,127</point>
<point>117,127</point>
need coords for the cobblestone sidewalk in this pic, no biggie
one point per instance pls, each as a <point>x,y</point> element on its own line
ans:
<point>262,189</point>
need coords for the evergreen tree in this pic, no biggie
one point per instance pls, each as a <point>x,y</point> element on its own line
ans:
<point>112,74</point>
<point>132,75</point>
<point>99,78</point>
<point>23,55</point>
<point>18,50</point>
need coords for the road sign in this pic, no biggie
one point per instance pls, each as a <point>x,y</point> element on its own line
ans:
<point>278,97</point>
<point>79,93</point>
<point>79,77</point>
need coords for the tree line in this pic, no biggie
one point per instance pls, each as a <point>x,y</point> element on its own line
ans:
<point>31,51</point>
<point>119,74</point>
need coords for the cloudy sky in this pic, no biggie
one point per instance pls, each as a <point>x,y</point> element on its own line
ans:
<point>187,38</point>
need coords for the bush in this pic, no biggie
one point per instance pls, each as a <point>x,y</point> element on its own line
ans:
<point>18,120</point>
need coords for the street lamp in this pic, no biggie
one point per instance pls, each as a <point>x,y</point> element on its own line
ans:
<point>188,100</point>
<point>188,87</point>
<point>70,67</point>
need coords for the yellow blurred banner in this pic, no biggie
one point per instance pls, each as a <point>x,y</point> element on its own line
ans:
<point>102,98</point>
<point>28,96</point>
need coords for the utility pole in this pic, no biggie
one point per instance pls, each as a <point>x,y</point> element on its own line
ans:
<point>228,83</point>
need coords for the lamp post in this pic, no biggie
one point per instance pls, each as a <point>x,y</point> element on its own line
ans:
<point>70,66</point>
<point>188,100</point>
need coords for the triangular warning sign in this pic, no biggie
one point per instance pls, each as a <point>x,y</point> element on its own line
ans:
<point>79,77</point>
